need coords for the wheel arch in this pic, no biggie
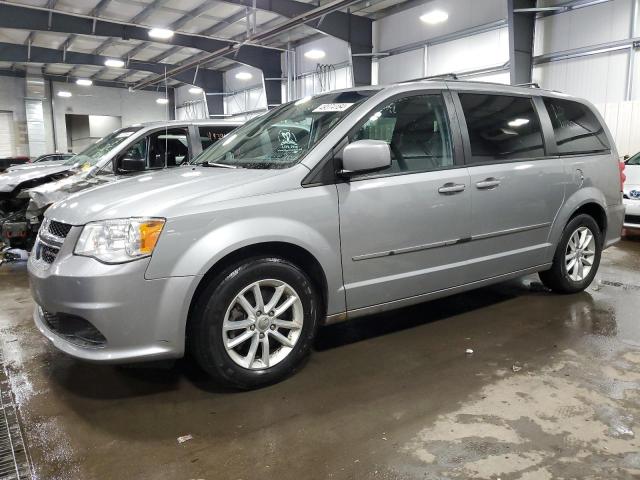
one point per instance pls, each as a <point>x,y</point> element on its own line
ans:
<point>296,254</point>
<point>595,211</point>
<point>586,200</point>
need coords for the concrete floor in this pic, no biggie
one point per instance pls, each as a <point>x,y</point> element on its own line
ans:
<point>551,391</point>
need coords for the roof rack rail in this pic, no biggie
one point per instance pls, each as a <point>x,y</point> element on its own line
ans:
<point>528,84</point>
<point>450,76</point>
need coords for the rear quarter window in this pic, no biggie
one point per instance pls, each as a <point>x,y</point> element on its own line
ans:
<point>576,128</point>
<point>501,127</point>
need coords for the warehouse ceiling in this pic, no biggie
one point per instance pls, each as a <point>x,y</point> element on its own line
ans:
<point>230,21</point>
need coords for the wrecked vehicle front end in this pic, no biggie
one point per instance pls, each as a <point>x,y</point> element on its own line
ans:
<point>15,229</point>
<point>43,196</point>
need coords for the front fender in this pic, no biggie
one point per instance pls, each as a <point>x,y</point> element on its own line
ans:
<point>307,218</point>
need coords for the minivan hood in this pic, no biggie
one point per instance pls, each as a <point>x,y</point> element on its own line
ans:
<point>169,193</point>
<point>11,179</point>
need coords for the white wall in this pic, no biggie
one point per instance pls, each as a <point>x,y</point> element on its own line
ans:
<point>405,28</point>
<point>190,106</point>
<point>12,91</point>
<point>483,50</point>
<point>243,95</point>
<point>583,27</point>
<point>428,55</point>
<point>336,50</point>
<point>132,107</point>
<point>401,67</point>
<point>308,82</point>
<point>598,78</point>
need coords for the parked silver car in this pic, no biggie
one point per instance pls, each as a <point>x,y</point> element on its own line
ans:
<point>26,193</point>
<point>326,209</point>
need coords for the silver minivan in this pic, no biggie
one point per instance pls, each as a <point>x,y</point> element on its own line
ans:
<point>325,209</point>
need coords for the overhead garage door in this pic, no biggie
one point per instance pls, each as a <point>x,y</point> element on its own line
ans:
<point>7,146</point>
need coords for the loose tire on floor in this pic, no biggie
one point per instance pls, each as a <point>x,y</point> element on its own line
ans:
<point>574,251</point>
<point>263,304</point>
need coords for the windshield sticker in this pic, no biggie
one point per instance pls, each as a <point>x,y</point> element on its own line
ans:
<point>287,145</point>
<point>332,107</point>
<point>124,134</point>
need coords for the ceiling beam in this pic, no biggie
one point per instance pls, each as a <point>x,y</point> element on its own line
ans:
<point>211,31</point>
<point>102,4</point>
<point>272,89</point>
<point>29,18</point>
<point>345,26</point>
<point>63,79</point>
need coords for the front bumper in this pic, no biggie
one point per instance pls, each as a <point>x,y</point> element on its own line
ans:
<point>632,213</point>
<point>140,319</point>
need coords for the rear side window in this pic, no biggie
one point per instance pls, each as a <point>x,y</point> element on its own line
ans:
<point>576,128</point>
<point>501,127</point>
<point>211,134</point>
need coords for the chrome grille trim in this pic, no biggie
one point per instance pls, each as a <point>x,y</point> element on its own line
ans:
<point>50,239</point>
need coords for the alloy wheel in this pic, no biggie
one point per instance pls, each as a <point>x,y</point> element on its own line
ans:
<point>262,324</point>
<point>580,254</point>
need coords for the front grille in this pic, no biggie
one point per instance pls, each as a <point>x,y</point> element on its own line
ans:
<point>632,219</point>
<point>50,239</point>
<point>75,329</point>
<point>59,229</point>
<point>47,253</point>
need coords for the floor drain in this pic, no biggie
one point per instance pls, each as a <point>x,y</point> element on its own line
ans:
<point>14,461</point>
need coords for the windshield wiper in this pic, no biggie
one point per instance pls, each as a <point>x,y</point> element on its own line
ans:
<point>219,165</point>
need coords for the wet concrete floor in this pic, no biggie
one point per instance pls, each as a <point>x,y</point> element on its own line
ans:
<point>550,391</point>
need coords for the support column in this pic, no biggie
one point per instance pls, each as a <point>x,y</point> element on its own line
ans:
<point>521,30</point>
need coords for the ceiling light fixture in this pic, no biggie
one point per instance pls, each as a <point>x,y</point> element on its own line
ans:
<point>162,101</point>
<point>434,17</point>
<point>85,82</point>
<point>244,76</point>
<point>315,54</point>
<point>195,90</point>
<point>518,122</point>
<point>114,62</point>
<point>64,94</point>
<point>161,33</point>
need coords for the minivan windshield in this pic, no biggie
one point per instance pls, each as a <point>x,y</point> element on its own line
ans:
<point>282,137</point>
<point>92,154</point>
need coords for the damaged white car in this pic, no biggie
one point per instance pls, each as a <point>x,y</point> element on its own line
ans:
<point>25,194</point>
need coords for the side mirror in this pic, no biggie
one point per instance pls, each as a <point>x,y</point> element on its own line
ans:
<point>365,156</point>
<point>129,164</point>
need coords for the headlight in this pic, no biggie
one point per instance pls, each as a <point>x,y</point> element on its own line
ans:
<point>121,240</point>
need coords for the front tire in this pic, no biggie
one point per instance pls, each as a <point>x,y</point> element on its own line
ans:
<point>254,324</point>
<point>577,256</point>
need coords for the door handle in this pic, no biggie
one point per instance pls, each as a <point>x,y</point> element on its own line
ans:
<point>488,183</point>
<point>450,188</point>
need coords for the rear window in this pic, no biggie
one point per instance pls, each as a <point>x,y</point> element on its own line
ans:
<point>211,134</point>
<point>501,127</point>
<point>576,128</point>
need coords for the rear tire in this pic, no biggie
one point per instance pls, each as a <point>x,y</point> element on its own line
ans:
<point>577,256</point>
<point>254,324</point>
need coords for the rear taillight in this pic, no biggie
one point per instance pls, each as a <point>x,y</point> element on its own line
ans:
<point>623,177</point>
